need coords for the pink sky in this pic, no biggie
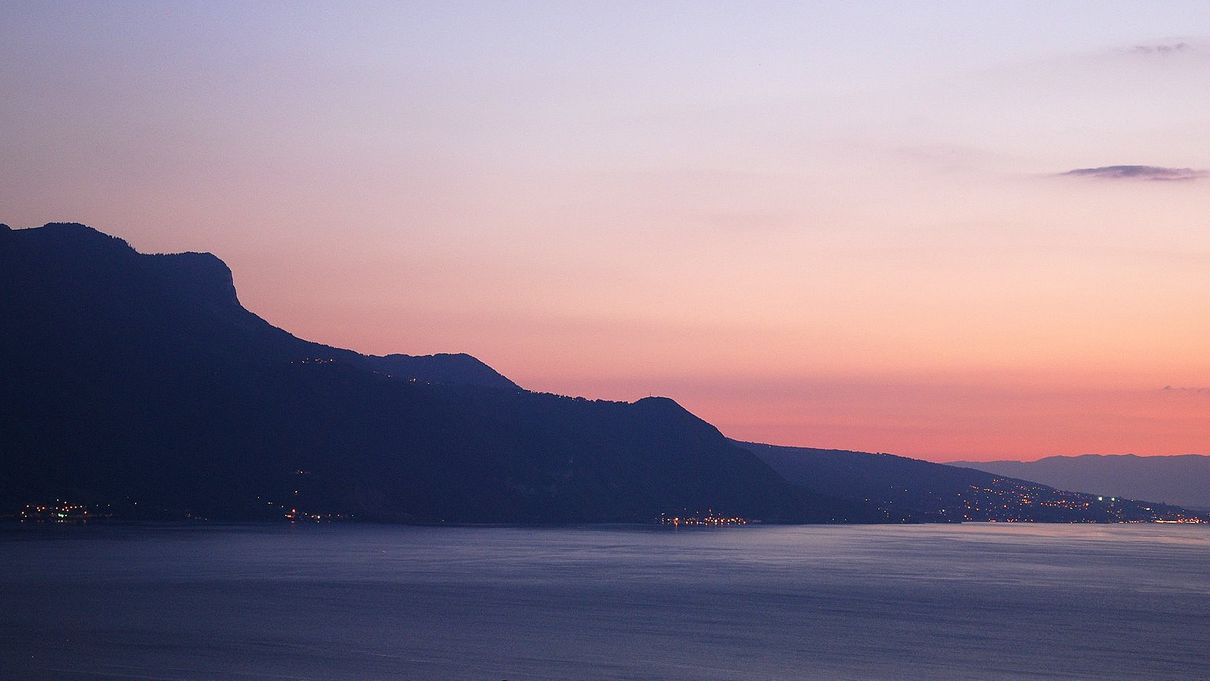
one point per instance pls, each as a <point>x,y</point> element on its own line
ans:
<point>833,226</point>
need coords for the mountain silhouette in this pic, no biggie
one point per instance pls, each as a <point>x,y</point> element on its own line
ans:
<point>140,383</point>
<point>1183,480</point>
<point>900,489</point>
<point>140,386</point>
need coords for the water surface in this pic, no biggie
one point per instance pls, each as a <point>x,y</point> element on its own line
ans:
<point>815,602</point>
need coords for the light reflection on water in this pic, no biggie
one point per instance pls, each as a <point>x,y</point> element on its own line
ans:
<point>814,602</point>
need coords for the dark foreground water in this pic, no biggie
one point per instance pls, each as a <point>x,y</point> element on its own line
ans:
<point>382,602</point>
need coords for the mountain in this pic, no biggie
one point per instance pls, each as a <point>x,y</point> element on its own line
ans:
<point>453,369</point>
<point>1182,480</point>
<point>906,490</point>
<point>138,384</point>
<point>72,279</point>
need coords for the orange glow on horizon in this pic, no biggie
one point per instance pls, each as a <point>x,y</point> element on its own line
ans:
<point>802,242</point>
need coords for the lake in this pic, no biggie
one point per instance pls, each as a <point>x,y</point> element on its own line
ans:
<point>760,602</point>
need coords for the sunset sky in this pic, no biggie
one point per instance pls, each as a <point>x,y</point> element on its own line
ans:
<point>845,225</point>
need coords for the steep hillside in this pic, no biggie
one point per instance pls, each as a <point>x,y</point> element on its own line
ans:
<point>140,382</point>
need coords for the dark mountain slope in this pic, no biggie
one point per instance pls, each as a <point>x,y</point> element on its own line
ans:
<point>70,275</point>
<point>904,489</point>
<point>1183,480</point>
<point>447,368</point>
<point>139,378</point>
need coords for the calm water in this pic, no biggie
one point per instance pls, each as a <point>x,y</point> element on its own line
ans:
<point>382,602</point>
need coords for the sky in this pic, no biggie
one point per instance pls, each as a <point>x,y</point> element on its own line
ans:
<point>848,225</point>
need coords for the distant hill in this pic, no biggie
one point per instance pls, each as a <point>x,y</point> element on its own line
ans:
<point>1182,480</point>
<point>909,490</point>
<point>140,384</point>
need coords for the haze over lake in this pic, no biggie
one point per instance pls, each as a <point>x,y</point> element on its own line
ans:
<point>808,602</point>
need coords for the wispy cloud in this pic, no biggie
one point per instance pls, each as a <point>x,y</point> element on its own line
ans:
<point>1136,172</point>
<point>1163,49</point>
<point>1185,390</point>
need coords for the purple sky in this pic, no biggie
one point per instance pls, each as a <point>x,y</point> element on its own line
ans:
<point>847,225</point>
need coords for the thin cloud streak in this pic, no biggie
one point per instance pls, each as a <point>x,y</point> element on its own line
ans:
<point>1138,172</point>
<point>1185,390</point>
<point>1163,49</point>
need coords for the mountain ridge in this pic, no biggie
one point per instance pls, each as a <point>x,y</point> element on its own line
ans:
<point>139,380</point>
<point>140,384</point>
<point>904,489</point>
<point>1180,479</point>
<point>206,281</point>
